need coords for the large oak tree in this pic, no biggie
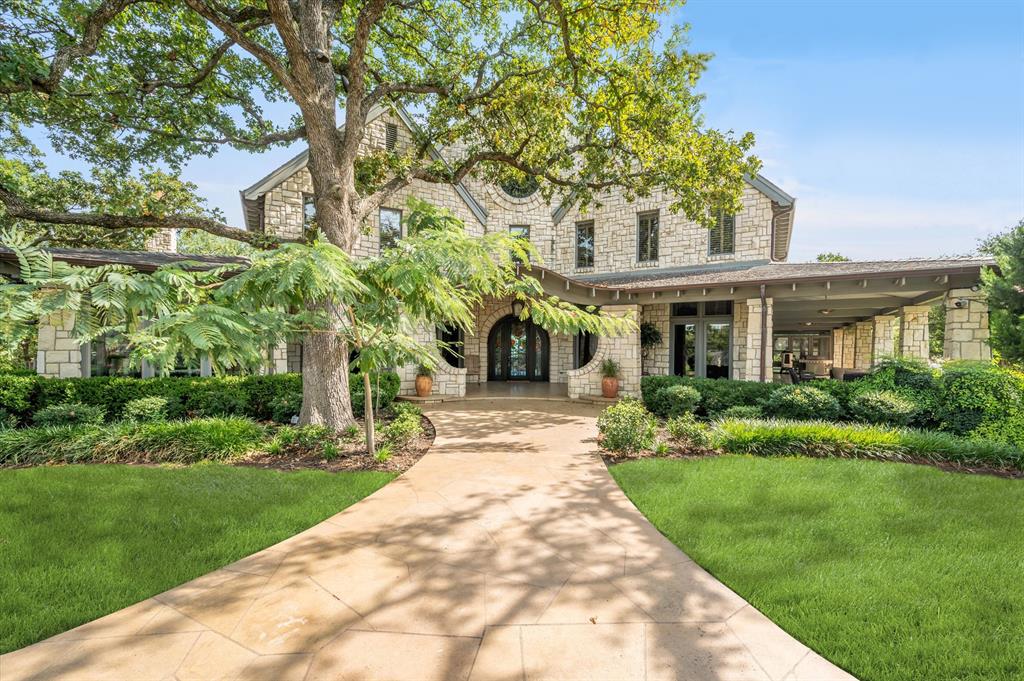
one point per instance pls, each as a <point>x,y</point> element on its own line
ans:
<point>583,95</point>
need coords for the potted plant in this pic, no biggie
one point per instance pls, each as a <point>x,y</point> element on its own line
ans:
<point>424,380</point>
<point>610,378</point>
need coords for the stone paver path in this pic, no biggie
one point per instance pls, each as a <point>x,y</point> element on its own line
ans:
<point>506,553</point>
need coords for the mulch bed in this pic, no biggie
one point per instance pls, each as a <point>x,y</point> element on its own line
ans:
<point>352,455</point>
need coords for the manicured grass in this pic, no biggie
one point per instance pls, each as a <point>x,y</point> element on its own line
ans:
<point>78,542</point>
<point>892,571</point>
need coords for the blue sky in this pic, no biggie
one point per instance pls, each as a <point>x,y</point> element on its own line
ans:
<point>899,126</point>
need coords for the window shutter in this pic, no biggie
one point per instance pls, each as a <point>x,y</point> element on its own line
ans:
<point>390,136</point>
<point>728,233</point>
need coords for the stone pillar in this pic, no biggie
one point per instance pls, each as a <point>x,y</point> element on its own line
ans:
<point>837,347</point>
<point>58,355</point>
<point>914,341</point>
<point>967,330</point>
<point>864,344</point>
<point>756,344</point>
<point>205,366</point>
<point>657,360</point>
<point>883,344</point>
<point>849,346</point>
<point>586,381</point>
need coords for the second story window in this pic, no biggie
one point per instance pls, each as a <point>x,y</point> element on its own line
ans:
<point>722,237</point>
<point>390,227</point>
<point>585,244</point>
<point>308,212</point>
<point>647,236</point>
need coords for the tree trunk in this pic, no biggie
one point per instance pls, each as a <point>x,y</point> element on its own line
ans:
<point>371,427</point>
<point>325,392</point>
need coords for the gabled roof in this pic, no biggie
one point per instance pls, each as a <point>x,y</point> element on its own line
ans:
<point>764,272</point>
<point>252,196</point>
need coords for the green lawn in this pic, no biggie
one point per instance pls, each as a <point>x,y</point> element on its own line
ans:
<point>78,542</point>
<point>891,571</point>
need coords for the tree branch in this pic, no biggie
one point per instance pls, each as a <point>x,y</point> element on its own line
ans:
<point>95,23</point>
<point>17,208</point>
<point>233,31</point>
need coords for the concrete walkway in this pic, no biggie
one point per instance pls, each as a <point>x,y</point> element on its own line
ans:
<point>508,552</point>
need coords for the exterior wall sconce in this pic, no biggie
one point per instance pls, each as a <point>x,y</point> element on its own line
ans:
<point>517,309</point>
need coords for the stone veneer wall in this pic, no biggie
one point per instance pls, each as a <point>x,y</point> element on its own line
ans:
<point>967,327</point>
<point>837,347</point>
<point>914,335</point>
<point>864,344</point>
<point>749,362</point>
<point>884,343</point>
<point>57,353</point>
<point>681,241</point>
<point>448,380</point>
<point>475,348</point>
<point>282,207</point>
<point>586,381</point>
<point>657,360</point>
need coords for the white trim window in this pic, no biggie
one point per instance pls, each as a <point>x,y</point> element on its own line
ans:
<point>308,212</point>
<point>585,244</point>
<point>647,236</point>
<point>390,227</point>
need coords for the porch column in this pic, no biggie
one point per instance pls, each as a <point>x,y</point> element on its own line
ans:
<point>849,346</point>
<point>205,366</point>
<point>914,341</point>
<point>837,347</point>
<point>58,355</point>
<point>884,344</point>
<point>967,329</point>
<point>864,344</point>
<point>756,343</point>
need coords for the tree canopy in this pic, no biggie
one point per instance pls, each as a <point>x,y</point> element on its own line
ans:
<point>580,96</point>
<point>1004,288</point>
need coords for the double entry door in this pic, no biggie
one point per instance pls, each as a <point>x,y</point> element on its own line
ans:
<point>701,347</point>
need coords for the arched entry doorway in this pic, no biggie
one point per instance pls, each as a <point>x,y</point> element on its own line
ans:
<point>517,350</point>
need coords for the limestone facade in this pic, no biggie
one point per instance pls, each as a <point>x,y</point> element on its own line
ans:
<point>967,329</point>
<point>625,350</point>
<point>914,334</point>
<point>58,354</point>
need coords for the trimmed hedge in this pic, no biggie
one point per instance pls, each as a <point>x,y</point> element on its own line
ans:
<point>716,395</point>
<point>973,393</point>
<point>802,402</point>
<point>886,407</point>
<point>824,439</point>
<point>172,441</point>
<point>251,396</point>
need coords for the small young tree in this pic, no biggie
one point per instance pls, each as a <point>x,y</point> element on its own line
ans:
<point>1004,288</point>
<point>581,97</point>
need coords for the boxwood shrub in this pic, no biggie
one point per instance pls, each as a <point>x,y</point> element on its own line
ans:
<point>251,396</point>
<point>626,426</point>
<point>973,393</point>
<point>681,399</point>
<point>68,414</point>
<point>800,402</point>
<point>716,394</point>
<point>883,407</point>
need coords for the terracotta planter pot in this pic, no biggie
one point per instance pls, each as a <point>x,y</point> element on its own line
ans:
<point>424,384</point>
<point>610,387</point>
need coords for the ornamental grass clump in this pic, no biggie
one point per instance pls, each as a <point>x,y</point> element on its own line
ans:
<point>852,440</point>
<point>626,427</point>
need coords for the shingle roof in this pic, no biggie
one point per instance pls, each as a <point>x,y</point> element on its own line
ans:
<point>140,260</point>
<point>768,272</point>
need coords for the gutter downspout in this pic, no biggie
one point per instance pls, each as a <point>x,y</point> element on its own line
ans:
<point>764,334</point>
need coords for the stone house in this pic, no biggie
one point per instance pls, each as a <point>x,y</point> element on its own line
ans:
<point>725,301</point>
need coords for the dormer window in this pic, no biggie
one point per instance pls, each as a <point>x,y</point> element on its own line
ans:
<point>722,237</point>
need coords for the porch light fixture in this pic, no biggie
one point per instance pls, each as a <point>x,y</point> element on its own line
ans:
<point>517,309</point>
